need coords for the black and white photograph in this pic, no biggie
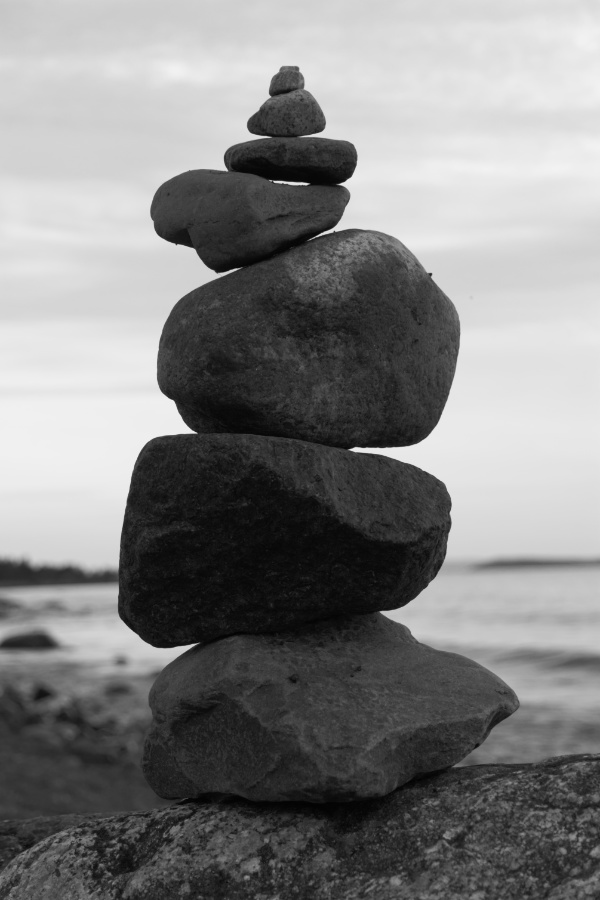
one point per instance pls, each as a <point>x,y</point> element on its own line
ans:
<point>300,483</point>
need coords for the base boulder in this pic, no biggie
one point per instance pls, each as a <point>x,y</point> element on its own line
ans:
<point>517,832</point>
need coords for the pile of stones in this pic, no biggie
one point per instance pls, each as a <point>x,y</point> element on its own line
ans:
<point>262,538</point>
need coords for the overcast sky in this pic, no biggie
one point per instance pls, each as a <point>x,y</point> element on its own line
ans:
<point>477,125</point>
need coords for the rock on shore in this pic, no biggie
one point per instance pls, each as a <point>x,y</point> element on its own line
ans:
<point>37,639</point>
<point>518,832</point>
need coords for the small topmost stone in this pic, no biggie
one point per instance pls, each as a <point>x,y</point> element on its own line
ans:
<point>289,78</point>
<point>290,111</point>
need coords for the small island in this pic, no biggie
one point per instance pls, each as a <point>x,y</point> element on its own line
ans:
<point>530,562</point>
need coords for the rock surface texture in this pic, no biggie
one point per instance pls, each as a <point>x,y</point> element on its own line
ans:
<point>18,835</point>
<point>275,717</point>
<point>312,159</point>
<point>519,832</point>
<point>234,219</point>
<point>345,340</point>
<point>292,114</point>
<point>229,533</point>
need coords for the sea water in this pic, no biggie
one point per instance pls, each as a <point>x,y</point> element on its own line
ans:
<point>536,627</point>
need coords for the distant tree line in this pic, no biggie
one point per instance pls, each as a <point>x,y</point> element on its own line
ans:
<point>14,572</point>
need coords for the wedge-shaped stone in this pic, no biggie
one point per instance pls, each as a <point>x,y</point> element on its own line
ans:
<point>232,533</point>
<point>345,340</point>
<point>288,115</point>
<point>233,219</point>
<point>342,710</point>
<point>312,159</point>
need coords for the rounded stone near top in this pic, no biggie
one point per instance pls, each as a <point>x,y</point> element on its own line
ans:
<point>289,78</point>
<point>288,115</point>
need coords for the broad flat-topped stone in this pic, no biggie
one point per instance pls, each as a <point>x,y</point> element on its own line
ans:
<point>288,115</point>
<point>344,340</point>
<point>228,533</point>
<point>343,710</point>
<point>495,832</point>
<point>289,78</point>
<point>233,219</point>
<point>312,159</point>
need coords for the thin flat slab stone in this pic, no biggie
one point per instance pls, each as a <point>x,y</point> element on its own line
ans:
<point>345,340</point>
<point>233,219</point>
<point>289,78</point>
<point>311,159</point>
<point>228,533</point>
<point>496,832</point>
<point>288,115</point>
<point>343,710</point>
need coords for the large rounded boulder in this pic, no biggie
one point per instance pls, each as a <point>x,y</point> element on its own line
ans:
<point>345,340</point>
<point>503,832</point>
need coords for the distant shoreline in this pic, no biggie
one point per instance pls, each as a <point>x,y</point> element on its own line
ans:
<point>22,573</point>
<point>526,562</point>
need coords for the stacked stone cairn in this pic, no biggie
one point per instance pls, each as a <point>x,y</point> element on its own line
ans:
<point>262,538</point>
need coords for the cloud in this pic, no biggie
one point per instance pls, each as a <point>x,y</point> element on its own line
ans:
<point>512,55</point>
<point>99,212</point>
<point>79,357</point>
<point>476,129</point>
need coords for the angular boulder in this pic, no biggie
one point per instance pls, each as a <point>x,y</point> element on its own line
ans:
<point>343,710</point>
<point>234,219</point>
<point>516,832</point>
<point>312,159</point>
<point>228,533</point>
<point>288,115</point>
<point>289,78</point>
<point>345,340</point>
